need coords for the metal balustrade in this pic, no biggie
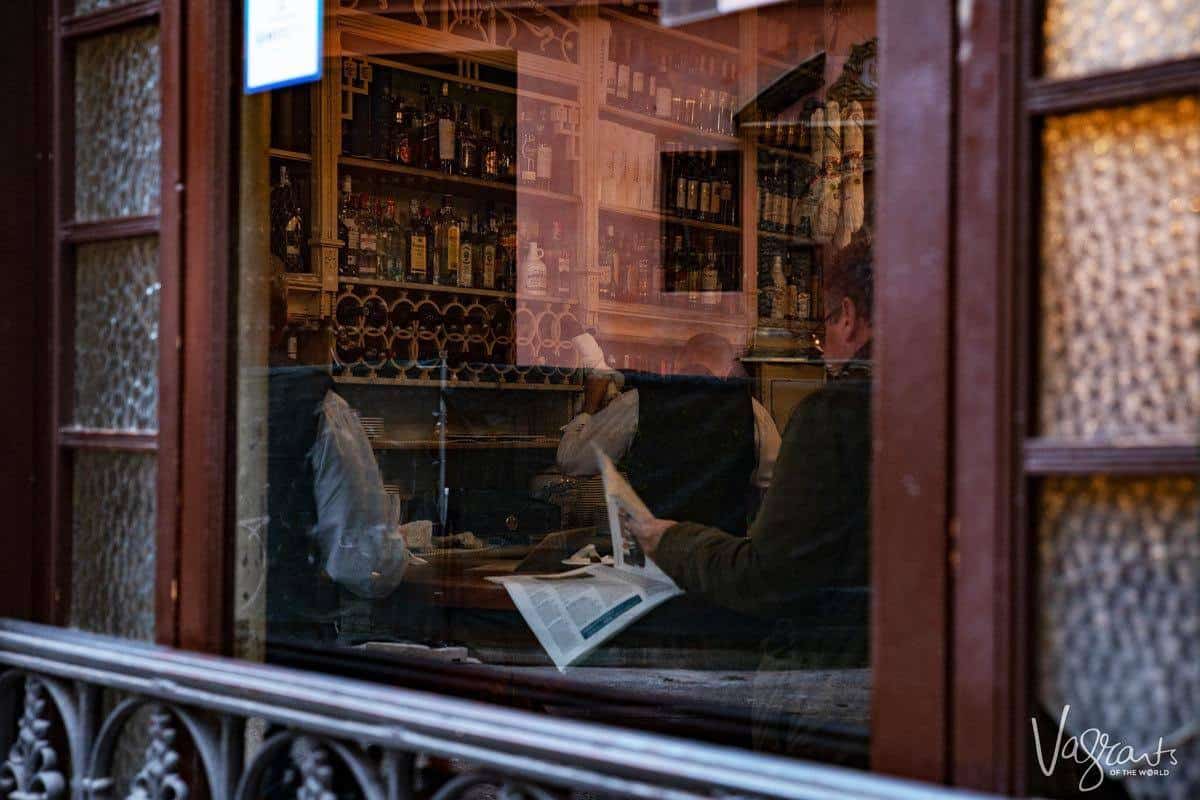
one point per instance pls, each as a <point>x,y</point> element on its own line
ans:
<point>58,738</point>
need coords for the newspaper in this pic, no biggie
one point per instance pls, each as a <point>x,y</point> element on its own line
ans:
<point>572,613</point>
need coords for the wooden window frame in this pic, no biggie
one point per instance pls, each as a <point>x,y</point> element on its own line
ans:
<point>1001,101</point>
<point>911,639</point>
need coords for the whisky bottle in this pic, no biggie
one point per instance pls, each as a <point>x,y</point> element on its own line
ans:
<point>662,89</point>
<point>449,237</point>
<point>507,152</point>
<point>382,115</point>
<point>560,261</point>
<point>400,149</point>
<point>429,130</point>
<point>418,244</point>
<point>468,147</point>
<point>467,248</point>
<point>368,262</point>
<point>710,278</point>
<point>293,242</point>
<point>488,267</point>
<point>693,185</point>
<point>489,156</point>
<point>383,242</point>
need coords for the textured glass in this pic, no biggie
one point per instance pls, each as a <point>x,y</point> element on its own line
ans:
<point>116,334</point>
<point>1120,616</point>
<point>117,138</point>
<point>1120,285</point>
<point>112,578</point>
<point>1085,36</point>
<point>88,6</point>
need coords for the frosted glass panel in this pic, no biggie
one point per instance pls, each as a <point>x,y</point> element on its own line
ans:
<point>116,334</point>
<point>117,138</point>
<point>112,579</point>
<point>1120,286</point>
<point>1085,36</point>
<point>1119,607</point>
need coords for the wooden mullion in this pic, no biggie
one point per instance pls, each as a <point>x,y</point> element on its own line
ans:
<point>167,566</point>
<point>1043,96</point>
<point>1054,457</point>
<point>102,439</point>
<point>109,229</point>
<point>106,20</point>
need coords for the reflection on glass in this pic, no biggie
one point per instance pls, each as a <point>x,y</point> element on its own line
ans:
<point>516,272</point>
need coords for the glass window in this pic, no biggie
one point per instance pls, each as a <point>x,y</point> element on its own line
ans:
<point>555,355</point>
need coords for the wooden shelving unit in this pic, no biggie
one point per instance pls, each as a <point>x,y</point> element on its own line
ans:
<point>668,126</point>
<point>668,34</point>
<point>535,443</point>
<point>440,182</point>
<point>290,155</point>
<point>658,216</point>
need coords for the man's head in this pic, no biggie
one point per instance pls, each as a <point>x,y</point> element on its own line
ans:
<point>849,293</point>
<point>708,354</point>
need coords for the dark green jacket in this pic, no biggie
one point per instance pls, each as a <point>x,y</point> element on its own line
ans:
<point>806,554</point>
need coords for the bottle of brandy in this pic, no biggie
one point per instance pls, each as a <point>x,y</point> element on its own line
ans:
<point>449,239</point>
<point>467,249</point>
<point>418,244</point>
<point>446,132</point>
<point>468,146</point>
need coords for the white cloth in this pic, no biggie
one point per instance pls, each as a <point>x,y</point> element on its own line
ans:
<point>360,543</point>
<point>613,429</point>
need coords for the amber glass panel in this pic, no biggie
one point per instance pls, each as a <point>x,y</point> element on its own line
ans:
<point>116,334</point>
<point>112,580</point>
<point>1120,616</point>
<point>117,137</point>
<point>1086,36</point>
<point>1120,285</point>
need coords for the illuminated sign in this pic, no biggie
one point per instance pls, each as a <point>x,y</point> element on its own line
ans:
<point>283,43</point>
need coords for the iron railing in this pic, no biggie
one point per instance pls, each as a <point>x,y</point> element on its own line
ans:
<point>334,737</point>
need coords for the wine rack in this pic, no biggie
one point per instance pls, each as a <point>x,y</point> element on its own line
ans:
<point>433,335</point>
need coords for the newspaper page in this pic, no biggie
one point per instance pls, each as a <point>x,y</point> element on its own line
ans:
<point>573,613</point>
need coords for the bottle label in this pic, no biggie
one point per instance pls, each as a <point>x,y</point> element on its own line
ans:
<point>491,163</point>
<point>416,258</point>
<point>545,160</point>
<point>681,194</point>
<point>705,197</point>
<point>353,241</point>
<point>693,194</point>
<point>535,277</point>
<point>446,139</point>
<point>714,203</point>
<point>489,267</point>
<point>452,248</point>
<point>466,267</point>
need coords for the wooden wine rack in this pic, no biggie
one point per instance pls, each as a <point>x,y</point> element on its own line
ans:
<point>414,334</point>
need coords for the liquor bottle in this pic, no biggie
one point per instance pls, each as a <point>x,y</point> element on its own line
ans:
<point>467,248</point>
<point>449,239</point>
<point>506,254</point>
<point>694,270</point>
<point>468,147</point>
<point>400,150</point>
<point>679,206</point>
<point>488,267</point>
<point>528,168</point>
<point>347,233</point>
<point>637,78</point>
<point>446,132</point>
<point>382,115</point>
<point>507,152</point>
<point>429,130</point>
<point>710,278</point>
<point>642,276</point>
<point>802,307</point>
<point>383,242</point>
<point>368,261</point>
<point>714,198</point>
<point>608,264</point>
<point>545,152</point>
<point>489,156</point>
<point>694,168</point>
<point>706,178</point>
<point>729,209</point>
<point>623,68</point>
<point>558,260</point>
<point>662,89</point>
<point>677,272</point>
<point>418,244</point>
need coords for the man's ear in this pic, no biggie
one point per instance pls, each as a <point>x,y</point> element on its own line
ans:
<point>849,314</point>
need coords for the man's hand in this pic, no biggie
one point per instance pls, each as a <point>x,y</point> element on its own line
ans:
<point>648,531</point>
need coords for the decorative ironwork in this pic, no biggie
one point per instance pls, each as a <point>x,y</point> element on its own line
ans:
<point>343,738</point>
<point>159,778</point>
<point>31,770</point>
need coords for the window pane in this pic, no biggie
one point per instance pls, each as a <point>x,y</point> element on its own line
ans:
<point>1087,36</point>
<point>117,138</point>
<point>112,579</point>
<point>116,334</point>
<point>1119,615</point>
<point>1120,287</point>
<point>478,263</point>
